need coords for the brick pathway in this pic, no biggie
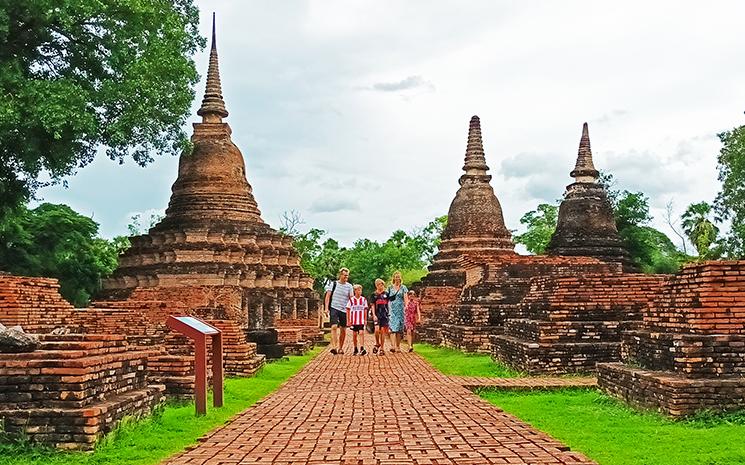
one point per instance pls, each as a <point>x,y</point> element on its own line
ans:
<point>532,382</point>
<point>373,410</point>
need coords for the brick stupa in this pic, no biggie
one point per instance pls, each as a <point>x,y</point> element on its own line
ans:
<point>475,225</point>
<point>212,248</point>
<point>586,226</point>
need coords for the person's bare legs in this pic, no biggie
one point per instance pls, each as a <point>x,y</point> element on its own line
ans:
<point>410,337</point>
<point>383,335</point>
<point>399,336</point>
<point>342,337</point>
<point>334,337</point>
<point>393,340</point>
<point>354,339</point>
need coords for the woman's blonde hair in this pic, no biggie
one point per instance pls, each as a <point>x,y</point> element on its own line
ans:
<point>393,278</point>
<point>379,281</point>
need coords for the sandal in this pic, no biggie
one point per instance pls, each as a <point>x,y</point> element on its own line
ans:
<point>333,351</point>
<point>411,349</point>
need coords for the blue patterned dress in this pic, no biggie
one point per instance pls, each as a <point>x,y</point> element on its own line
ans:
<point>397,308</point>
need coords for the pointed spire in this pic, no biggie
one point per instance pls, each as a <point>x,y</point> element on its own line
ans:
<point>213,107</point>
<point>475,164</point>
<point>584,170</point>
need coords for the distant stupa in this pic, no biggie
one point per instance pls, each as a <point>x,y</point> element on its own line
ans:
<point>586,226</point>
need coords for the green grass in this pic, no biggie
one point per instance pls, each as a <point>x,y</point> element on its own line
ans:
<point>613,434</point>
<point>151,440</point>
<point>457,363</point>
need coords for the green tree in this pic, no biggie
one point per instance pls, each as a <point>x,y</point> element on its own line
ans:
<point>367,259</point>
<point>76,75</point>
<point>700,229</point>
<point>55,241</point>
<point>540,226</point>
<point>651,250</point>
<point>730,202</point>
<point>632,209</point>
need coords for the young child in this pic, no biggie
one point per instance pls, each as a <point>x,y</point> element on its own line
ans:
<point>379,306</point>
<point>356,316</point>
<point>412,316</point>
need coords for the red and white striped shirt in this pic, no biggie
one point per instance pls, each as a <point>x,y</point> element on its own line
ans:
<point>356,311</point>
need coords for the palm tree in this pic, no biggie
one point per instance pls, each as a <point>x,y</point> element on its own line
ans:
<point>699,228</point>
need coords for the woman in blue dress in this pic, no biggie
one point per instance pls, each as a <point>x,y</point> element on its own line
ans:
<point>399,298</point>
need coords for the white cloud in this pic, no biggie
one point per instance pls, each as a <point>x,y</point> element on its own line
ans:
<point>650,77</point>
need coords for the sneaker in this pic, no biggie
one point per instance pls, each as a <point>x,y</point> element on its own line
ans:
<point>356,351</point>
<point>333,351</point>
<point>363,351</point>
<point>375,349</point>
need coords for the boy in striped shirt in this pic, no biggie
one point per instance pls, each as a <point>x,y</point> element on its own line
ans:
<point>357,317</point>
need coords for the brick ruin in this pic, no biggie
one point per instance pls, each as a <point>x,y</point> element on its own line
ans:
<point>75,388</point>
<point>477,281</point>
<point>213,250</point>
<point>566,324</point>
<point>689,352</point>
<point>674,343</point>
<point>212,256</point>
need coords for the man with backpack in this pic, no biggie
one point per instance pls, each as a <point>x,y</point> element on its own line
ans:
<point>338,294</point>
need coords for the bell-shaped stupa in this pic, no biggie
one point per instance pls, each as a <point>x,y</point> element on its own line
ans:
<point>475,227</point>
<point>212,241</point>
<point>586,225</point>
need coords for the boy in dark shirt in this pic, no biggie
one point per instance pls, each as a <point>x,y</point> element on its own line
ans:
<point>379,308</point>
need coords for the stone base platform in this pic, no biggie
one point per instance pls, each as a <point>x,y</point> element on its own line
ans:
<point>669,393</point>
<point>468,338</point>
<point>552,358</point>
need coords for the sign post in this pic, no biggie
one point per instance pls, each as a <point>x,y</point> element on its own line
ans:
<point>198,331</point>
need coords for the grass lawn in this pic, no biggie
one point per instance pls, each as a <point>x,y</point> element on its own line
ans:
<point>613,434</point>
<point>151,440</point>
<point>457,363</point>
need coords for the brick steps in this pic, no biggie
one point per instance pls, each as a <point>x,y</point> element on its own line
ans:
<point>552,358</point>
<point>75,428</point>
<point>75,389</point>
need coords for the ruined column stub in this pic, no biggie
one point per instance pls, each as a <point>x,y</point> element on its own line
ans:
<point>586,225</point>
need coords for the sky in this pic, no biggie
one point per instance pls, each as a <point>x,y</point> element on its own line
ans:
<point>355,113</point>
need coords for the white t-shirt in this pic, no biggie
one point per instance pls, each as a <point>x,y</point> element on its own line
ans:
<point>341,295</point>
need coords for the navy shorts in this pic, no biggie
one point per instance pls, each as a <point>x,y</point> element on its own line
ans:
<point>338,318</point>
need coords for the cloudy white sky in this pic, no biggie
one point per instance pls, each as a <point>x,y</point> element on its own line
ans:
<point>343,108</point>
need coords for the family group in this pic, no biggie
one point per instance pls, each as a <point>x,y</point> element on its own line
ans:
<point>387,313</point>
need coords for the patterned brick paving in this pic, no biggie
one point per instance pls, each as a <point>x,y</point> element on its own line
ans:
<point>372,410</point>
<point>476,382</point>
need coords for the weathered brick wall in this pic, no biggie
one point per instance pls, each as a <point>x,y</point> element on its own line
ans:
<point>702,299</point>
<point>33,303</point>
<point>468,338</point>
<point>569,323</point>
<point>688,353</point>
<point>495,287</point>
<point>90,382</point>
